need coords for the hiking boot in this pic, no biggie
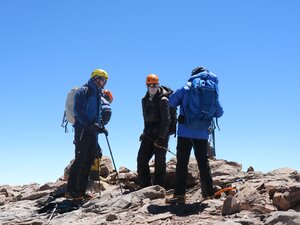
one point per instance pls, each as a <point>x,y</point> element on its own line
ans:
<point>73,195</point>
<point>209,197</point>
<point>176,199</point>
<point>201,199</point>
<point>87,196</point>
<point>78,196</point>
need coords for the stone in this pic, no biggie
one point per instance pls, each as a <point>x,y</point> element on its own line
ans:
<point>230,206</point>
<point>258,199</point>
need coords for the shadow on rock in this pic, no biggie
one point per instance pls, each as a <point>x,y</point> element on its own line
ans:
<point>61,207</point>
<point>178,210</point>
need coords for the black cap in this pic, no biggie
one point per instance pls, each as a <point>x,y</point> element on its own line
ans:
<point>198,69</point>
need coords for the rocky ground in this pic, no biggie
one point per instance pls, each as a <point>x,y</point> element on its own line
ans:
<point>254,198</point>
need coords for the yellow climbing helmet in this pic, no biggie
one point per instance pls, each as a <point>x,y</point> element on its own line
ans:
<point>99,73</point>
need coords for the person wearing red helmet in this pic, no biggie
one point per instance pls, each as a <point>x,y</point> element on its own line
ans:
<point>155,137</point>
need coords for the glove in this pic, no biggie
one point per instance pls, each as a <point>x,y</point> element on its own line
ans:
<point>94,127</point>
<point>103,130</point>
<point>160,142</point>
<point>180,119</point>
<point>141,137</point>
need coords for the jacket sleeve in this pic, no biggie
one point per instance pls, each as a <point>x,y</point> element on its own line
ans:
<point>165,117</point>
<point>144,113</point>
<point>79,106</point>
<point>176,98</point>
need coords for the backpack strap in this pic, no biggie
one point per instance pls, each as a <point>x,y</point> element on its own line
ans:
<point>211,131</point>
<point>65,122</point>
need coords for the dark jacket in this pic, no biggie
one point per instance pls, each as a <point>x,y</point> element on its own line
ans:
<point>156,114</point>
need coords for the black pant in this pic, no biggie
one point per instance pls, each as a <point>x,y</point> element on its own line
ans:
<point>146,151</point>
<point>86,147</point>
<point>184,147</point>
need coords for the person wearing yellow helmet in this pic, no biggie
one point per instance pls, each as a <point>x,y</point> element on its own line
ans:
<point>100,77</point>
<point>99,73</point>
<point>87,126</point>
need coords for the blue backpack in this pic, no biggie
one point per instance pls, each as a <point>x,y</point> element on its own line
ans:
<point>202,103</point>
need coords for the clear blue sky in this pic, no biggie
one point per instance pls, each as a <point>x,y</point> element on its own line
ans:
<point>47,47</point>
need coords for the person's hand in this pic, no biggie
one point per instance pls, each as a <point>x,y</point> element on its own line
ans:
<point>141,137</point>
<point>103,130</point>
<point>95,127</point>
<point>160,142</point>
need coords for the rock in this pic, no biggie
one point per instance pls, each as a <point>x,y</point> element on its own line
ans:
<point>285,195</point>
<point>258,199</point>
<point>162,216</point>
<point>247,196</point>
<point>250,169</point>
<point>2,199</point>
<point>230,206</point>
<point>106,166</point>
<point>4,192</point>
<point>35,195</point>
<point>282,218</point>
<point>230,222</point>
<point>111,217</point>
<point>123,169</point>
<point>223,167</point>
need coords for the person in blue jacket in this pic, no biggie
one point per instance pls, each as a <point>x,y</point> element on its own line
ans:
<point>106,112</point>
<point>87,126</point>
<point>189,138</point>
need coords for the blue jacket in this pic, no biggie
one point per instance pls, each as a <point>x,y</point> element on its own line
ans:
<point>180,98</point>
<point>87,105</point>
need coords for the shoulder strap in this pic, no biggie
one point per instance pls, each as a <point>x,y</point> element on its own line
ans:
<point>65,122</point>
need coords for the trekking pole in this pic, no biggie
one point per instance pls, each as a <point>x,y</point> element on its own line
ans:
<point>214,142</point>
<point>169,151</point>
<point>164,148</point>
<point>51,216</point>
<point>114,163</point>
<point>99,169</point>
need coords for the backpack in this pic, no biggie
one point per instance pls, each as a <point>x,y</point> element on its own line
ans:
<point>105,110</point>
<point>173,113</point>
<point>69,116</point>
<point>202,102</point>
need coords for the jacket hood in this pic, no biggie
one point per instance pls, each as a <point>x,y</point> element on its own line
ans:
<point>165,91</point>
<point>162,91</point>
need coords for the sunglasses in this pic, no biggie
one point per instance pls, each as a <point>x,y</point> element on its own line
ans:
<point>102,79</point>
<point>153,85</point>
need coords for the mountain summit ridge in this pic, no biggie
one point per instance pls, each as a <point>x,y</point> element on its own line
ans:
<point>254,198</point>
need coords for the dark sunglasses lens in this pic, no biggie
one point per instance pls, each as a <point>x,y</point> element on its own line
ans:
<point>98,79</point>
<point>153,85</point>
